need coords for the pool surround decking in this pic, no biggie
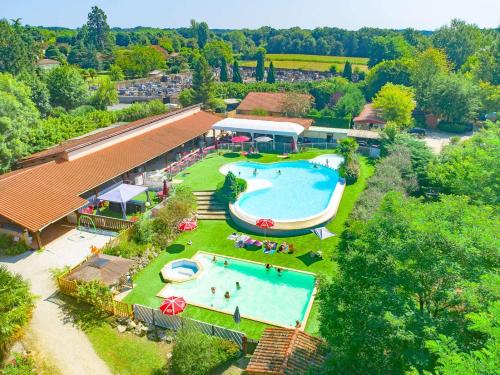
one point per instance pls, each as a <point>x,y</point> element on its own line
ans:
<point>163,292</point>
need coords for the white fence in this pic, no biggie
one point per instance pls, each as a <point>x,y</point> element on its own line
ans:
<point>157,318</point>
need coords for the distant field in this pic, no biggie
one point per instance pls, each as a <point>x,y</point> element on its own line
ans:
<point>310,62</point>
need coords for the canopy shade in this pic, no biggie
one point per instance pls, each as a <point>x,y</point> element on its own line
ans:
<point>259,126</point>
<point>122,193</point>
<point>322,233</point>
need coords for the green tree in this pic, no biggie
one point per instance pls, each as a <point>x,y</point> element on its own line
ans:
<point>427,66</point>
<point>454,98</point>
<point>98,29</point>
<point>18,116</point>
<point>236,72</point>
<point>237,39</point>
<point>215,51</point>
<point>18,50</point>
<point>67,87</point>
<point>116,73</point>
<point>259,70</point>
<point>396,103</point>
<point>139,61</point>
<point>202,81</point>
<point>105,95</point>
<point>270,74</point>
<point>399,284</point>
<point>16,304</point>
<point>84,56</point>
<point>223,70</point>
<point>187,97</point>
<point>53,52</point>
<point>459,40</point>
<point>202,34</point>
<point>389,71</point>
<point>471,167</point>
<point>347,72</point>
<point>388,48</point>
<point>484,65</point>
<point>40,95</point>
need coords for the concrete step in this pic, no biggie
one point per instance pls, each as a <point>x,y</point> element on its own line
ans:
<point>203,193</point>
<point>212,212</point>
<point>211,217</point>
<point>211,207</point>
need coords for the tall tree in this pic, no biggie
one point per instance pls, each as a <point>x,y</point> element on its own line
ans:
<point>236,72</point>
<point>98,29</point>
<point>18,50</point>
<point>215,50</point>
<point>393,71</point>
<point>270,73</point>
<point>139,61</point>
<point>347,72</point>
<point>105,94</point>
<point>223,70</point>
<point>396,104</point>
<point>67,87</point>
<point>259,70</point>
<point>202,34</point>
<point>202,81</point>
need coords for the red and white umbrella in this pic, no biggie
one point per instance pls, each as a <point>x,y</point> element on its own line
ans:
<point>240,139</point>
<point>188,225</point>
<point>173,305</point>
<point>265,224</point>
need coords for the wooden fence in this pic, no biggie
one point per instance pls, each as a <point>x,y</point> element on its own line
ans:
<point>105,222</point>
<point>157,318</point>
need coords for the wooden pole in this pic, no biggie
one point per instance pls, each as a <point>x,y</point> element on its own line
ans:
<point>38,239</point>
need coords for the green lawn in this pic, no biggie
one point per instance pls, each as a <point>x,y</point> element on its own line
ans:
<point>310,62</point>
<point>127,354</point>
<point>211,236</point>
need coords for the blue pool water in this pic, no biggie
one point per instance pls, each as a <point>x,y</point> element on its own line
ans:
<point>264,294</point>
<point>301,190</point>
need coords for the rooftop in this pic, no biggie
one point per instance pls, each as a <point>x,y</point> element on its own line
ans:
<point>39,195</point>
<point>105,268</point>
<point>47,62</point>
<point>304,122</point>
<point>257,125</point>
<point>287,351</point>
<point>369,115</point>
<point>268,101</point>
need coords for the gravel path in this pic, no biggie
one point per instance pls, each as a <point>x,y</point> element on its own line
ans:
<point>66,346</point>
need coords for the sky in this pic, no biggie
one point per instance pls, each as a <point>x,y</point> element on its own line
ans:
<point>236,14</point>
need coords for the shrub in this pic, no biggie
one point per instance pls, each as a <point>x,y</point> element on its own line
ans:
<point>197,354</point>
<point>94,293</point>
<point>10,247</point>
<point>350,169</point>
<point>16,304</point>
<point>125,248</point>
<point>140,110</point>
<point>259,112</point>
<point>231,188</point>
<point>347,147</point>
<point>20,365</point>
<point>143,231</point>
<point>450,127</point>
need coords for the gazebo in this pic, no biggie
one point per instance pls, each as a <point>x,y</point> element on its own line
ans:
<point>122,194</point>
<point>107,269</point>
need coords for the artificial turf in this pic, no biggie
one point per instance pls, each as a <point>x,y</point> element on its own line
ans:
<point>211,236</point>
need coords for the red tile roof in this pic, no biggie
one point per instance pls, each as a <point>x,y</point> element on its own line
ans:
<point>305,122</point>
<point>37,196</point>
<point>271,102</point>
<point>369,115</point>
<point>286,351</point>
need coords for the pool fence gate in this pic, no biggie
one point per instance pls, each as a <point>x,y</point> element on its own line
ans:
<point>156,318</point>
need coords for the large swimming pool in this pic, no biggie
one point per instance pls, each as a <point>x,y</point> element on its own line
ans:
<point>264,295</point>
<point>289,190</point>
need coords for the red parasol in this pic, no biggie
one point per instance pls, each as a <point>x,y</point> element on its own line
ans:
<point>173,305</point>
<point>240,139</point>
<point>187,225</point>
<point>265,223</point>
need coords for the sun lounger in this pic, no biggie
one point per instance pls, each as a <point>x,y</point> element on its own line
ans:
<point>233,236</point>
<point>253,243</point>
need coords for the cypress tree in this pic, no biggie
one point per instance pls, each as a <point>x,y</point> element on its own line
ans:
<point>347,73</point>
<point>259,70</point>
<point>223,70</point>
<point>270,74</point>
<point>202,81</point>
<point>236,72</point>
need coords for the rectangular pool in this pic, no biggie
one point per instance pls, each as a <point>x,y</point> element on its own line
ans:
<point>264,295</point>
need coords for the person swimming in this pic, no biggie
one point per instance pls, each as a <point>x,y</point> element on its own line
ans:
<point>227,295</point>
<point>238,286</point>
<point>268,266</point>
<point>279,171</point>
<point>279,271</point>
<point>226,263</point>
<point>214,259</point>
<point>213,289</point>
<point>297,324</point>
<point>255,172</point>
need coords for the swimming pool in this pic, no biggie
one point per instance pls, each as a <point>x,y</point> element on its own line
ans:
<point>287,192</point>
<point>265,295</point>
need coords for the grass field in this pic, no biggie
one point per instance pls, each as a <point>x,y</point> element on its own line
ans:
<point>211,236</point>
<point>310,62</point>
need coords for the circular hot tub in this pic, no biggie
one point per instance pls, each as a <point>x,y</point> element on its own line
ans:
<point>181,270</point>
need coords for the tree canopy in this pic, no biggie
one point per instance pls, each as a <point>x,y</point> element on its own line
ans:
<point>67,87</point>
<point>396,103</point>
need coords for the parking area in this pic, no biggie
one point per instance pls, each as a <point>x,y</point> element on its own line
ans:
<point>436,140</point>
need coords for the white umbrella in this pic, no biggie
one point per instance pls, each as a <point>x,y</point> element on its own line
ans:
<point>263,139</point>
<point>322,234</point>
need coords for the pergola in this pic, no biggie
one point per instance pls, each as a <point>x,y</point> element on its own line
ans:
<point>122,194</point>
<point>271,128</point>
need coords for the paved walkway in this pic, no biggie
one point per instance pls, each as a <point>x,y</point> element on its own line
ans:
<point>63,343</point>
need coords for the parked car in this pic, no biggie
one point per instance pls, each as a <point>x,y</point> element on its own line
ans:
<point>419,132</point>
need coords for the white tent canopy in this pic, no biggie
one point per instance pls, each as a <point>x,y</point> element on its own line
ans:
<point>122,194</point>
<point>289,129</point>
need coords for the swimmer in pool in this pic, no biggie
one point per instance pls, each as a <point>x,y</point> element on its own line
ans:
<point>226,295</point>
<point>213,289</point>
<point>279,171</point>
<point>214,259</point>
<point>238,286</point>
<point>255,172</point>
<point>268,267</point>
<point>226,263</point>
